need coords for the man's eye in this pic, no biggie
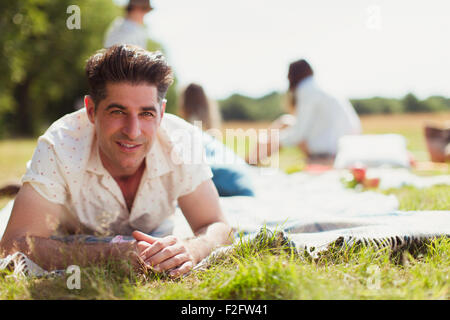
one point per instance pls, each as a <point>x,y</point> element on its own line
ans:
<point>117,112</point>
<point>148,114</point>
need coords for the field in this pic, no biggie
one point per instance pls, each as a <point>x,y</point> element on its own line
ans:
<point>263,274</point>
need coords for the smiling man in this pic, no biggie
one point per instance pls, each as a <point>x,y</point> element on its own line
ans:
<point>114,168</point>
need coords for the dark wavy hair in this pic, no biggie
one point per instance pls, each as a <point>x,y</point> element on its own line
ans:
<point>127,63</point>
<point>298,71</point>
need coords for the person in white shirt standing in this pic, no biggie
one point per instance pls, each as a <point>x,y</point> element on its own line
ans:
<point>320,119</point>
<point>131,29</point>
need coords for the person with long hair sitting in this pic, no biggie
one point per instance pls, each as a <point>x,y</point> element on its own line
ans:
<point>230,172</point>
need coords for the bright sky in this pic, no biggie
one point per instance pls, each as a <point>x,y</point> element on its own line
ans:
<point>358,48</point>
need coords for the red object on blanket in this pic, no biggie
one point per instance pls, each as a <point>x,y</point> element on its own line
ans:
<point>317,168</point>
<point>359,173</point>
<point>371,183</point>
<point>412,160</point>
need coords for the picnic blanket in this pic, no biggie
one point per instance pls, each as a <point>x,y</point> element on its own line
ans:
<point>308,198</point>
<point>313,211</point>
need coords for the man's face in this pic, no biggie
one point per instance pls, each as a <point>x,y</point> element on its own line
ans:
<point>126,123</point>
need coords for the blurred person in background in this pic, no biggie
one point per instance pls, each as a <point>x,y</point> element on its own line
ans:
<point>438,142</point>
<point>195,106</point>
<point>230,172</point>
<point>316,122</point>
<point>131,29</point>
<point>126,30</point>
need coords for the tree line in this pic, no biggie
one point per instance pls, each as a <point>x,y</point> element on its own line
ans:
<point>269,107</point>
<point>42,69</point>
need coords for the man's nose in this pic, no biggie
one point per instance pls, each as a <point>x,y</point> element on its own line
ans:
<point>132,127</point>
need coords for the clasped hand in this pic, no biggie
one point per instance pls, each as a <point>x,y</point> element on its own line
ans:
<point>164,254</point>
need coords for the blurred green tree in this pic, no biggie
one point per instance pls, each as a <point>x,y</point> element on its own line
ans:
<point>377,105</point>
<point>412,104</point>
<point>437,103</point>
<point>269,107</point>
<point>42,60</point>
<point>42,65</point>
<point>239,107</point>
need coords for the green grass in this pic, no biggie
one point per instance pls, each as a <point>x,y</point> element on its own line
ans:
<point>260,274</point>
<point>248,275</point>
<point>433,198</point>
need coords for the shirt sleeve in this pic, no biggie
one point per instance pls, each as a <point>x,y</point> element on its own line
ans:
<point>305,116</point>
<point>44,175</point>
<point>193,176</point>
<point>195,168</point>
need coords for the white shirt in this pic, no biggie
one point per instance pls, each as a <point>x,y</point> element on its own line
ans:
<point>321,120</point>
<point>66,169</point>
<point>125,31</point>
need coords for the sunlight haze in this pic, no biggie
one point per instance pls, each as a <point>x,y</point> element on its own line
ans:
<point>358,48</point>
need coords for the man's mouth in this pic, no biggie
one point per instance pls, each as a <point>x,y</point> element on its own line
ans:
<point>128,146</point>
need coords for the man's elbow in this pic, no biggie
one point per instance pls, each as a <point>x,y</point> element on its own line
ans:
<point>11,244</point>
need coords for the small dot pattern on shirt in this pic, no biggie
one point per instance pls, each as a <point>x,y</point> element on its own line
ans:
<point>64,170</point>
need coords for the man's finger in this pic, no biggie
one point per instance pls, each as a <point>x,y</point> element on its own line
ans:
<point>140,236</point>
<point>142,246</point>
<point>169,255</point>
<point>185,268</point>
<point>151,250</point>
<point>173,262</point>
<point>161,244</point>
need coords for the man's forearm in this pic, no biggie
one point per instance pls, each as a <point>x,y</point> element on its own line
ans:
<point>53,254</point>
<point>209,238</point>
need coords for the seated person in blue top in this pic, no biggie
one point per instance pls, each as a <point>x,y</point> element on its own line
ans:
<point>230,172</point>
<point>317,120</point>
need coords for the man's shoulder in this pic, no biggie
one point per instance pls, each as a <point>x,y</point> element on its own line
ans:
<point>181,151</point>
<point>181,140</point>
<point>70,136</point>
<point>179,132</point>
<point>72,125</point>
<point>171,122</point>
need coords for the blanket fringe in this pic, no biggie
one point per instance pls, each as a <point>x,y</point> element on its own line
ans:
<point>267,239</point>
<point>22,266</point>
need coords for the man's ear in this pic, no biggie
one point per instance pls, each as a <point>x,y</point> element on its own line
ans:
<point>90,108</point>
